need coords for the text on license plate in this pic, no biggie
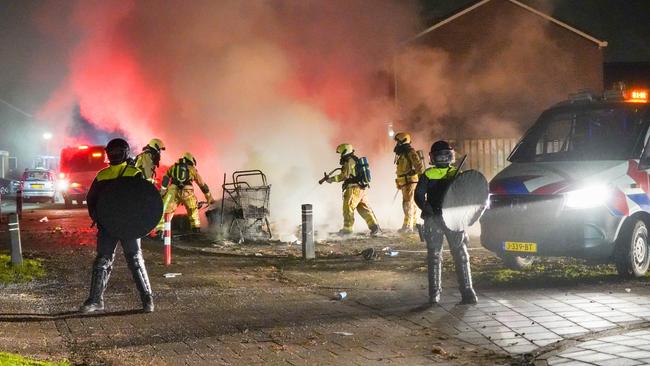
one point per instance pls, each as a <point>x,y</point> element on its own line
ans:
<point>37,186</point>
<point>516,246</point>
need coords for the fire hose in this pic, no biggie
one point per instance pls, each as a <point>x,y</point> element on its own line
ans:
<point>327,176</point>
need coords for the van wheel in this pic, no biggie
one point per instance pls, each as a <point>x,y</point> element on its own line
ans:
<point>517,262</point>
<point>631,254</point>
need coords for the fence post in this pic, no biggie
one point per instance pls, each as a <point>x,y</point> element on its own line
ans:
<point>308,250</point>
<point>167,235</point>
<point>16,248</point>
<point>19,203</point>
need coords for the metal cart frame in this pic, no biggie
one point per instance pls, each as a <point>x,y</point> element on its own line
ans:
<point>249,205</point>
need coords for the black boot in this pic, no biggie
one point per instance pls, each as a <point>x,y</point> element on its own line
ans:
<point>434,264</point>
<point>464,276</point>
<point>100,275</point>
<point>139,272</point>
<point>374,230</point>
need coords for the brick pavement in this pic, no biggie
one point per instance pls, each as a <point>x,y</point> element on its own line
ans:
<point>631,348</point>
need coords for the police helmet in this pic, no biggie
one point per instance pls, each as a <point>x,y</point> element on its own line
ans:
<point>118,151</point>
<point>442,154</point>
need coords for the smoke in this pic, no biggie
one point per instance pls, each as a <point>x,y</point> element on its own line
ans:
<point>494,86</point>
<point>270,85</point>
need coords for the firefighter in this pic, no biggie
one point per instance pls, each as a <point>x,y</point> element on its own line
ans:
<point>117,151</point>
<point>354,192</point>
<point>429,193</point>
<point>149,159</point>
<point>177,188</point>
<point>409,167</point>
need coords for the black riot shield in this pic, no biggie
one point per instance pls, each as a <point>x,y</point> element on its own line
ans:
<point>465,200</point>
<point>129,208</point>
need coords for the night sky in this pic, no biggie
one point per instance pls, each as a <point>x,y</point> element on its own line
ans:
<point>624,24</point>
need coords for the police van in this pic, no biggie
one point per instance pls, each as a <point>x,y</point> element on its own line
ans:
<point>577,186</point>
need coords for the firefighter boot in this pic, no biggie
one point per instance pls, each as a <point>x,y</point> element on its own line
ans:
<point>464,276</point>
<point>101,273</point>
<point>374,230</point>
<point>434,264</point>
<point>139,272</point>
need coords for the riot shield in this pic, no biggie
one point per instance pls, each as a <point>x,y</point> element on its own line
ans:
<point>465,200</point>
<point>129,208</point>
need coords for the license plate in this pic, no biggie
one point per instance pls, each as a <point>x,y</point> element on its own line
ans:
<point>516,246</point>
<point>37,186</point>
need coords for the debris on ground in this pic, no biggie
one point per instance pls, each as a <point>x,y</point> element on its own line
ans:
<point>346,334</point>
<point>44,219</point>
<point>172,274</point>
<point>437,350</point>
<point>340,295</point>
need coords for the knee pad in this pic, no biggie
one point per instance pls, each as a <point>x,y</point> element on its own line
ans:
<point>103,262</point>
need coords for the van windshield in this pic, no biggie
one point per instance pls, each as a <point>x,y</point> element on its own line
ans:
<point>600,133</point>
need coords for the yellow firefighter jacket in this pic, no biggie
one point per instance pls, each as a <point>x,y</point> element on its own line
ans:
<point>348,173</point>
<point>409,167</point>
<point>182,174</point>
<point>144,162</point>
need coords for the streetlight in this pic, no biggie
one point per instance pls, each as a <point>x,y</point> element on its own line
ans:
<point>47,136</point>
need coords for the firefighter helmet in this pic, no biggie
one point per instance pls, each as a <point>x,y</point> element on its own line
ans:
<point>442,154</point>
<point>403,138</point>
<point>156,144</point>
<point>189,158</point>
<point>344,149</point>
<point>118,151</point>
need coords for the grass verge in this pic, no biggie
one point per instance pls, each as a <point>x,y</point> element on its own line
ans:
<point>30,270</point>
<point>7,359</point>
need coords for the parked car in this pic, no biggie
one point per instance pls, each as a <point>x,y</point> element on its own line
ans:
<point>578,186</point>
<point>38,185</point>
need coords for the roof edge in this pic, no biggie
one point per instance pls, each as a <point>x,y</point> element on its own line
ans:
<point>515,2</point>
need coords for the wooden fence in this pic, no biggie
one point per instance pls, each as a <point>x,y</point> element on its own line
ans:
<point>489,156</point>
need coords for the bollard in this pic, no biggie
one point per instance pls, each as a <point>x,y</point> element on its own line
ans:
<point>308,250</point>
<point>167,235</point>
<point>19,203</point>
<point>16,249</point>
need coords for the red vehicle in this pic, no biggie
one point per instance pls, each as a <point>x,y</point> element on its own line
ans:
<point>78,168</point>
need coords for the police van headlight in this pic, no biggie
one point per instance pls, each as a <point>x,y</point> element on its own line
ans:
<point>588,197</point>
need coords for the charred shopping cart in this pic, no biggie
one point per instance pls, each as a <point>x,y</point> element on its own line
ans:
<point>245,203</point>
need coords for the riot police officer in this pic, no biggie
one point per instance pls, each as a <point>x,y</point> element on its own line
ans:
<point>429,194</point>
<point>117,151</point>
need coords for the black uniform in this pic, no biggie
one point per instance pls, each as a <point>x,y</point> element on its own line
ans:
<point>107,244</point>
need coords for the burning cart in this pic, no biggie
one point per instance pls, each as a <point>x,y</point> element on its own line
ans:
<point>245,202</point>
